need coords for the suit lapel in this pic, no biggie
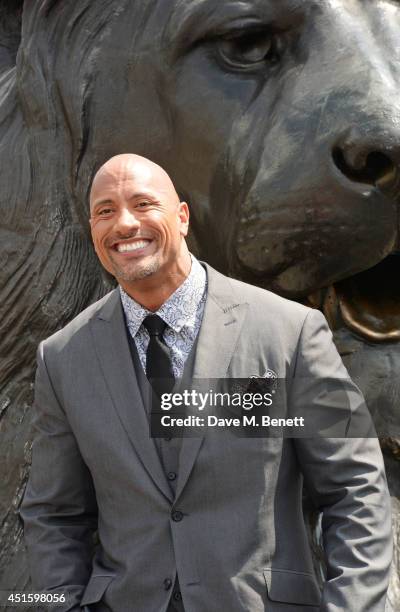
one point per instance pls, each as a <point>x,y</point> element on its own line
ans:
<point>219,332</point>
<point>112,348</point>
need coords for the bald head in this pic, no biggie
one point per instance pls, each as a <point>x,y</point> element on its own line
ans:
<point>135,169</point>
<point>139,227</point>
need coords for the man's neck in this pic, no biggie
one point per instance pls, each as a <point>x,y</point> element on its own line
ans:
<point>152,293</point>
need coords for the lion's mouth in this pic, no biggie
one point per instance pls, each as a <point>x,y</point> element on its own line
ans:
<point>367,303</point>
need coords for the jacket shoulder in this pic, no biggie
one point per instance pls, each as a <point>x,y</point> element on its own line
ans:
<point>79,324</point>
<point>256,296</point>
<point>264,304</point>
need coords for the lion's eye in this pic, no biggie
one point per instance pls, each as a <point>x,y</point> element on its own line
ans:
<point>248,51</point>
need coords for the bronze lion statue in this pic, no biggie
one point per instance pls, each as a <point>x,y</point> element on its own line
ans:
<point>279,122</point>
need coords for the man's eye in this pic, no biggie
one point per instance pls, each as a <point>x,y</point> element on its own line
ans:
<point>104,211</point>
<point>248,51</point>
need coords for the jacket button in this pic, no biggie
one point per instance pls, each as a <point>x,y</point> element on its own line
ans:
<point>167,584</point>
<point>171,475</point>
<point>176,515</point>
<point>168,438</point>
<point>177,596</point>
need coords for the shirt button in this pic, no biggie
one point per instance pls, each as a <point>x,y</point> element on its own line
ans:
<point>171,475</point>
<point>167,584</point>
<point>176,515</point>
<point>177,596</point>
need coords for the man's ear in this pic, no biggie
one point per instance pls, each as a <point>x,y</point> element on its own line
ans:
<point>184,218</point>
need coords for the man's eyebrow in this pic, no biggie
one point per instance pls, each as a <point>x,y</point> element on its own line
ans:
<point>142,194</point>
<point>106,201</point>
<point>134,196</point>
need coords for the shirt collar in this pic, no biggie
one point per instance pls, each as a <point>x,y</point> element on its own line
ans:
<point>178,310</point>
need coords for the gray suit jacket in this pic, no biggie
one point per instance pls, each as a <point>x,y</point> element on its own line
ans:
<point>241,543</point>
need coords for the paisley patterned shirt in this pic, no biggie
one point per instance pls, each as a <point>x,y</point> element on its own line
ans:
<point>182,312</point>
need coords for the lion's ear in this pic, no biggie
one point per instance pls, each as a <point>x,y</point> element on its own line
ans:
<point>10,31</point>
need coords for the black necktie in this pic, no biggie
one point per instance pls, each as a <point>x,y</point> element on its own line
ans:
<point>158,357</point>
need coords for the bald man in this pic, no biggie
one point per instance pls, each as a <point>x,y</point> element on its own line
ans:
<point>117,520</point>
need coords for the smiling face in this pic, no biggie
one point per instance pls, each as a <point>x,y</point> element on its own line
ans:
<point>138,224</point>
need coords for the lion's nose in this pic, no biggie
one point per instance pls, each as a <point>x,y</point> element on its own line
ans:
<point>367,160</point>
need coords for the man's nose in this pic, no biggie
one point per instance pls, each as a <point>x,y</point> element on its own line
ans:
<point>126,220</point>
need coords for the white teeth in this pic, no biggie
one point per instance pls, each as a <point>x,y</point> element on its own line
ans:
<point>132,246</point>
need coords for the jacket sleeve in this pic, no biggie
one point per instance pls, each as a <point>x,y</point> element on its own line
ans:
<point>59,508</point>
<point>345,478</point>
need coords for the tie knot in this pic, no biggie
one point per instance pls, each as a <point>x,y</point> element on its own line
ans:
<point>154,325</point>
